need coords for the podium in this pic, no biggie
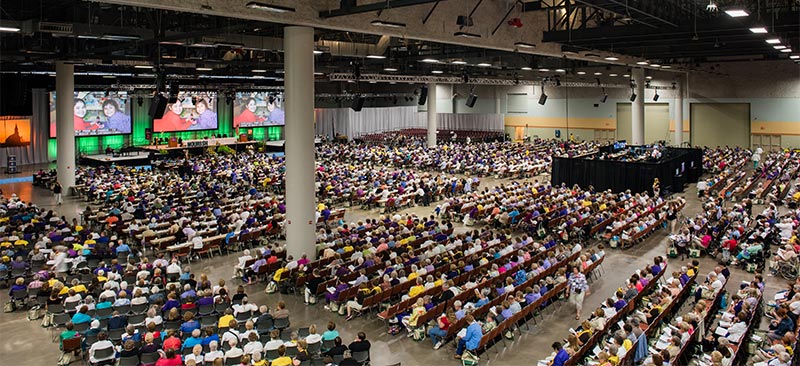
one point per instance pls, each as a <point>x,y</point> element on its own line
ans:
<point>173,142</point>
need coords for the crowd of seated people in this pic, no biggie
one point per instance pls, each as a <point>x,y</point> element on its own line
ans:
<point>146,309</point>
<point>600,337</point>
<point>499,159</point>
<point>419,135</point>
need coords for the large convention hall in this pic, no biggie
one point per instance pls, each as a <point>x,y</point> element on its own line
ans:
<point>400,182</point>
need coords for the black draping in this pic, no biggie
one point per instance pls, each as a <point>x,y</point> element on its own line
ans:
<point>678,167</point>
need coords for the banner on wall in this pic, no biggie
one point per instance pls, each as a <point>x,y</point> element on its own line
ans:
<point>15,131</point>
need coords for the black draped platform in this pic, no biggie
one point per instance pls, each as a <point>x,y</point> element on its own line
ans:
<point>677,167</point>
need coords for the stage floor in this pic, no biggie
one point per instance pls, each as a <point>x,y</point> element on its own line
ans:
<point>133,159</point>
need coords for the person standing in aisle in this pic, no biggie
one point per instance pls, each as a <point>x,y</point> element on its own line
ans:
<point>578,288</point>
<point>57,189</point>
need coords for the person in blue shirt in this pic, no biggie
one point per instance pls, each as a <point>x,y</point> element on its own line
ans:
<point>122,248</point>
<point>82,316</point>
<point>472,339</point>
<point>561,355</point>
<point>193,340</point>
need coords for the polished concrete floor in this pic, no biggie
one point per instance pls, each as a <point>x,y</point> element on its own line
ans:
<point>24,342</point>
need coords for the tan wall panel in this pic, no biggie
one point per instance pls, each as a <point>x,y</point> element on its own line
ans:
<point>561,122</point>
<point>720,124</point>
<point>774,128</point>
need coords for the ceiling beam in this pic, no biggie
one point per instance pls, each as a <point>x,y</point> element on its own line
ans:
<point>377,6</point>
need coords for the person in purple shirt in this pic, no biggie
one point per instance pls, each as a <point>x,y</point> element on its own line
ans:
<point>561,355</point>
<point>206,119</point>
<point>116,121</point>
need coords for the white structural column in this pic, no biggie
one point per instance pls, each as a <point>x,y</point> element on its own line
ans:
<point>298,45</point>
<point>65,127</point>
<point>637,109</point>
<point>432,114</point>
<point>679,115</point>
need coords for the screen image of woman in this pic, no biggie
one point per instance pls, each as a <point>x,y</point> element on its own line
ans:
<point>79,113</point>
<point>116,121</point>
<point>248,114</point>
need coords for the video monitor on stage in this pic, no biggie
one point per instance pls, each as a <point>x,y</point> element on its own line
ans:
<point>257,109</point>
<point>96,113</point>
<point>192,111</point>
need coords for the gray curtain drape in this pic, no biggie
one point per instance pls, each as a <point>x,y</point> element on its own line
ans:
<point>370,120</point>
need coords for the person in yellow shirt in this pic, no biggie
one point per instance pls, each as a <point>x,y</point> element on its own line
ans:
<point>416,289</point>
<point>226,319</point>
<point>411,320</point>
<point>282,359</point>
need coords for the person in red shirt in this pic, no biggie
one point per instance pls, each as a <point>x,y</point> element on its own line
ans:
<point>172,120</point>
<point>438,332</point>
<point>172,342</point>
<point>248,114</point>
<point>170,358</point>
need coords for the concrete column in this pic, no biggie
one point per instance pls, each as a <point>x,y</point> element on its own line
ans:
<point>432,114</point>
<point>65,126</point>
<point>496,99</point>
<point>679,115</point>
<point>298,45</point>
<point>637,109</point>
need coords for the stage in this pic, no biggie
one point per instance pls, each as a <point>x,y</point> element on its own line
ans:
<point>132,159</point>
<point>199,144</point>
<point>677,167</point>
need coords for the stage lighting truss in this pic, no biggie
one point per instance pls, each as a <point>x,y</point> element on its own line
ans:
<point>425,79</point>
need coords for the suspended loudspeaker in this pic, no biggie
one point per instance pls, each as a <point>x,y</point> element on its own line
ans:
<point>471,100</point>
<point>358,103</point>
<point>543,99</point>
<point>158,106</point>
<point>423,95</point>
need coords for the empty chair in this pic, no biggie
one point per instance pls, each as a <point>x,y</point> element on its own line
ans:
<point>55,308</point>
<point>139,308</point>
<point>302,332</point>
<point>81,327</point>
<point>314,348</point>
<point>232,361</point>
<point>103,313</point>
<point>136,319</point>
<point>205,309</point>
<point>281,323</point>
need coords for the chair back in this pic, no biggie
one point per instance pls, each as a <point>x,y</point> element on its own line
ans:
<point>139,308</point>
<point>314,348</point>
<point>104,353</point>
<point>233,361</point>
<point>328,344</point>
<point>337,359</point>
<point>272,354</point>
<point>103,313</point>
<point>128,361</point>
<point>54,308</point>
<point>149,358</point>
<point>265,325</point>
<point>61,319</point>
<point>361,356</point>
<point>81,327</point>
<point>281,323</point>
<point>71,344</point>
<point>243,316</point>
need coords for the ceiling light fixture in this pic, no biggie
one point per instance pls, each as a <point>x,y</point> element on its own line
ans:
<point>711,7</point>
<point>258,70</point>
<point>794,57</point>
<point>383,23</point>
<point>598,73</point>
<point>524,45</point>
<point>458,62</point>
<point>666,67</point>
<point>611,58</point>
<point>642,63</point>
<point>120,37</point>
<point>612,75</point>
<point>143,67</point>
<point>9,29</point>
<point>437,72</point>
<point>655,65</point>
<point>376,57</point>
<point>526,68</point>
<point>483,64</point>
<point>648,77</point>
<point>544,70</point>
<point>786,50</point>
<point>318,52</point>
<point>736,13</point>
<point>269,7</point>
<point>581,72</point>
<point>779,47</point>
<point>626,76</point>
<point>204,69</point>
<point>561,70</point>
<point>774,41</point>
<point>759,30</point>
<point>466,35</point>
<point>390,69</point>
<point>430,60</point>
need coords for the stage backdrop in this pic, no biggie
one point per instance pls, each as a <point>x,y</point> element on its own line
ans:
<point>26,136</point>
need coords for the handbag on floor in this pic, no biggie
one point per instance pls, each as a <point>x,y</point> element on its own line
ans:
<point>469,359</point>
<point>47,320</point>
<point>9,306</point>
<point>34,313</point>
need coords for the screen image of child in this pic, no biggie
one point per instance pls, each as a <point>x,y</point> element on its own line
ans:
<point>116,121</point>
<point>206,118</point>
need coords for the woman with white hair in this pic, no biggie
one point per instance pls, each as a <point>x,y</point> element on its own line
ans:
<point>239,268</point>
<point>213,353</point>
